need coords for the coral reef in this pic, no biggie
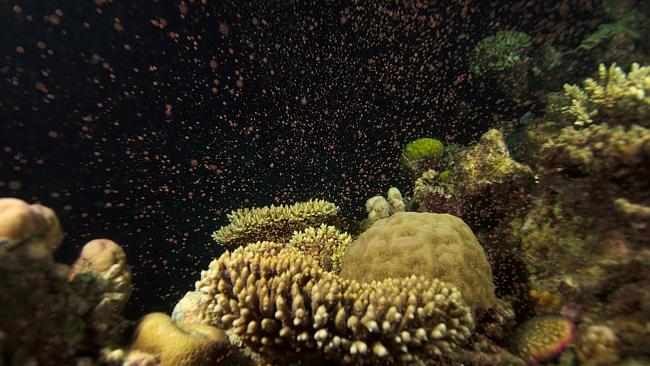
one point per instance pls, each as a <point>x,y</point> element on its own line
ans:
<point>584,236</point>
<point>434,245</point>
<point>180,344</point>
<point>282,305</point>
<point>422,154</point>
<point>325,243</point>
<point>542,338</point>
<point>52,315</point>
<point>276,223</point>
<point>481,185</point>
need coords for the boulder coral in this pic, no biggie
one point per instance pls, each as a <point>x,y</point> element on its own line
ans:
<point>277,223</point>
<point>180,344</point>
<point>282,305</point>
<point>69,310</point>
<point>432,245</point>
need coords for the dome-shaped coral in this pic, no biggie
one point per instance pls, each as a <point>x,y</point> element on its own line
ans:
<point>542,338</point>
<point>500,52</point>
<point>180,344</point>
<point>433,245</point>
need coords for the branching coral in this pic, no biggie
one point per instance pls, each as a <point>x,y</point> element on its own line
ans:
<point>282,305</point>
<point>616,97</point>
<point>602,150</point>
<point>276,223</point>
<point>325,243</point>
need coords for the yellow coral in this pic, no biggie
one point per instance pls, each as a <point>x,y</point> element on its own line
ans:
<point>280,303</point>
<point>180,344</point>
<point>615,94</point>
<point>433,245</point>
<point>325,243</point>
<point>276,223</point>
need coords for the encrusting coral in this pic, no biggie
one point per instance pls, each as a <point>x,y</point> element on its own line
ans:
<point>433,245</point>
<point>482,184</point>
<point>422,154</point>
<point>275,223</point>
<point>325,243</point>
<point>282,305</point>
<point>180,344</point>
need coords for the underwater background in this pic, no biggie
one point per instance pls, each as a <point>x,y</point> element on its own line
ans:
<point>148,122</point>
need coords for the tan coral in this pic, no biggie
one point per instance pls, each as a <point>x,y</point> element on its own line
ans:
<point>325,243</point>
<point>395,200</point>
<point>597,344</point>
<point>180,344</point>
<point>282,305</point>
<point>616,95</point>
<point>600,149</point>
<point>249,225</point>
<point>433,245</point>
<point>106,260</point>
<point>35,228</point>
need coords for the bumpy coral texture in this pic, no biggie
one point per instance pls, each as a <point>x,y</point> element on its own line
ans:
<point>481,186</point>
<point>422,154</point>
<point>614,97</point>
<point>276,223</point>
<point>432,245</point>
<point>542,338</point>
<point>48,316</point>
<point>106,260</point>
<point>282,305</point>
<point>599,149</point>
<point>325,243</point>
<point>180,344</point>
<point>499,53</point>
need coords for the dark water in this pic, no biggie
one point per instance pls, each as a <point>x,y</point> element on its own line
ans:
<point>146,121</point>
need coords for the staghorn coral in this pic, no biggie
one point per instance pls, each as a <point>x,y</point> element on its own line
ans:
<point>616,97</point>
<point>180,344</point>
<point>249,225</point>
<point>281,304</point>
<point>325,243</point>
<point>542,338</point>
<point>434,245</point>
